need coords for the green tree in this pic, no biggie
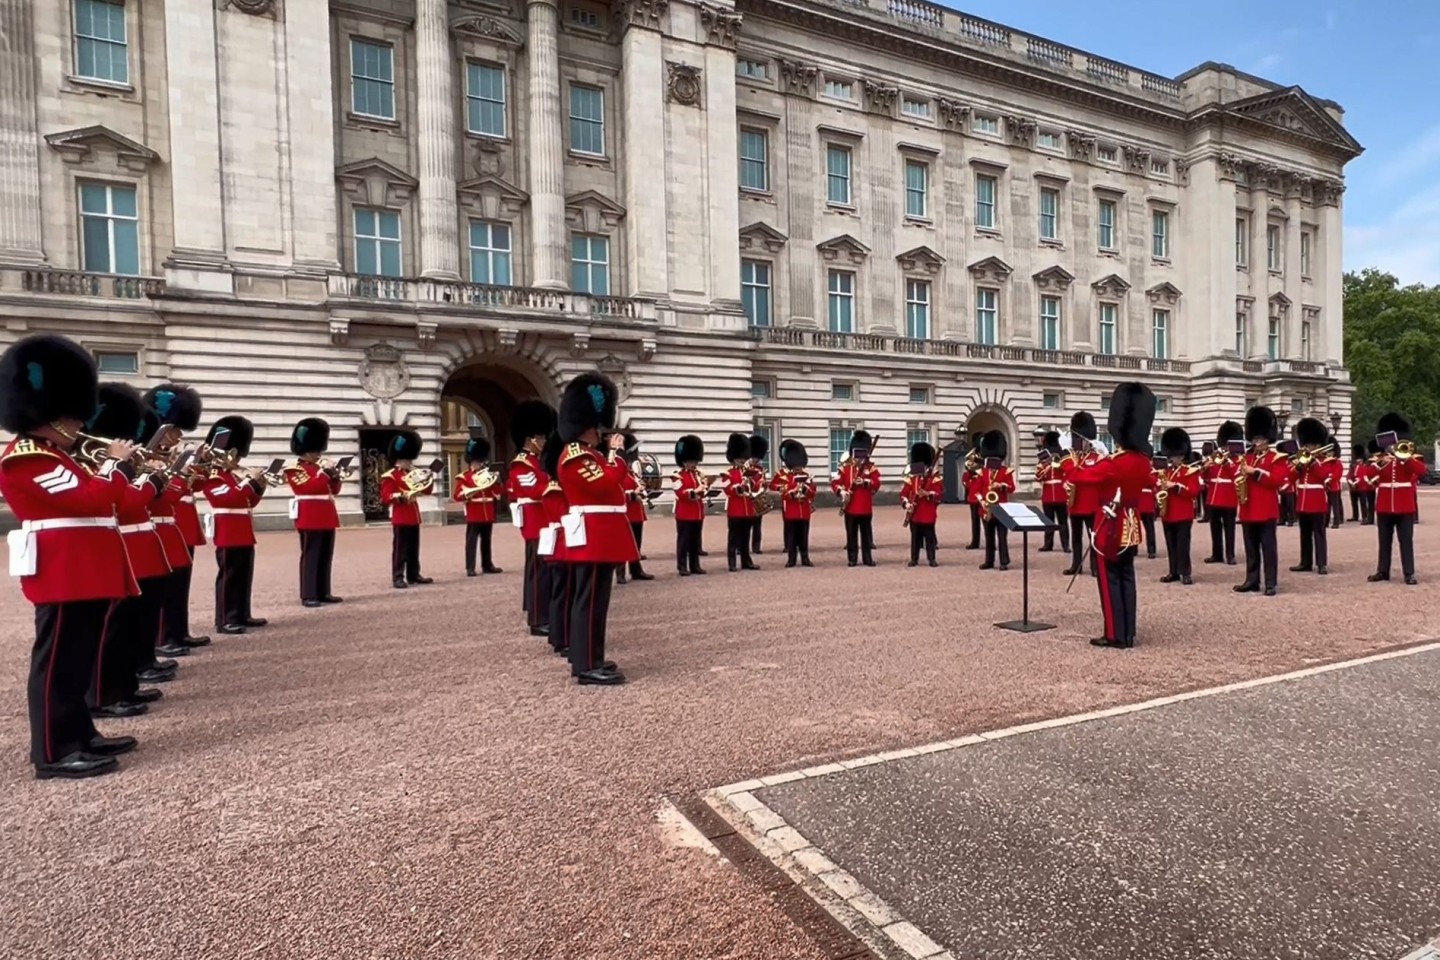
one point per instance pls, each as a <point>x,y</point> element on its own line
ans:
<point>1392,347</point>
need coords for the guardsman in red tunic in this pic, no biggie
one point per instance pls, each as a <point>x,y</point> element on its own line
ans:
<point>532,422</point>
<point>1366,476</point>
<point>401,487</point>
<point>480,489</point>
<point>1177,493</point>
<point>179,408</point>
<point>1207,453</point>
<point>67,552</point>
<point>1083,499</point>
<point>1147,514</point>
<point>314,484</point>
<point>755,471</point>
<point>856,483</point>
<point>160,437</point>
<point>1221,505</point>
<point>1262,474</point>
<point>1311,482</point>
<point>550,547</point>
<point>920,494</point>
<point>638,498</point>
<point>1398,470</point>
<point>1053,499</point>
<point>691,489</point>
<point>740,510</point>
<point>597,533</point>
<point>1334,480</point>
<point>970,484</point>
<point>997,483</point>
<point>796,489</point>
<point>233,494</point>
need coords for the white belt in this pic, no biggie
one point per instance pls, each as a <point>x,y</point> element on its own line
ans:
<point>313,496</point>
<point>1221,480</point>
<point>187,499</point>
<point>1396,486</point>
<point>163,519</point>
<point>63,523</point>
<point>598,508</point>
<point>520,502</point>
<point>232,510</point>
<point>137,528</point>
<point>1309,486</point>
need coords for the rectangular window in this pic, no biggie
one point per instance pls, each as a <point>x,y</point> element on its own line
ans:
<point>767,431</point>
<point>837,175</point>
<point>915,108</point>
<point>1049,141</point>
<point>1160,334</point>
<point>1272,247</point>
<point>1242,345</point>
<point>987,316</point>
<point>1049,214</point>
<point>590,264</point>
<point>985,193</point>
<point>1160,235</point>
<point>1305,340</point>
<point>100,42</point>
<point>842,301</point>
<point>587,120</point>
<point>839,447</point>
<point>1105,405</point>
<point>1109,211</point>
<point>1305,253</point>
<point>109,229</point>
<point>1272,339</point>
<point>842,391</point>
<point>372,79</point>
<point>761,389</point>
<point>1297,407</point>
<point>917,182</point>
<point>917,309</point>
<point>755,291</point>
<point>1107,154</point>
<point>985,124</point>
<point>1160,168</point>
<point>485,99</point>
<point>377,242</point>
<point>1049,323</point>
<point>490,253</point>
<point>915,435</point>
<point>1242,241</point>
<point>1052,401</point>
<point>754,159</point>
<point>840,89</point>
<point>1162,406</point>
<point>118,362</point>
<point>1109,321</point>
<point>919,394</point>
<point>752,69</point>
<point>588,19</point>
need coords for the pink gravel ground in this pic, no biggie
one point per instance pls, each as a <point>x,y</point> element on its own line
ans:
<point>411,775</point>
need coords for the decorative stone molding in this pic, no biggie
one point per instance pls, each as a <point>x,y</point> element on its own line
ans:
<point>798,77</point>
<point>843,248</point>
<point>592,212</point>
<point>383,373</point>
<point>618,370</point>
<point>1021,131</point>
<point>1113,287</point>
<point>1137,159</point>
<point>1082,145</point>
<point>721,26</point>
<point>1272,178</point>
<point>954,115</point>
<point>375,183</point>
<point>339,331</point>
<point>1182,172</point>
<point>486,28</point>
<point>761,236</point>
<point>880,98</point>
<point>1328,192</point>
<point>991,269</point>
<point>507,339</point>
<point>492,198</point>
<point>921,258</point>
<point>78,147</point>
<point>641,13</point>
<point>682,83</point>
<point>646,348</point>
<point>1053,278</point>
<point>579,343</point>
<point>1228,166</point>
<point>425,331</point>
<point>257,8</point>
<point>1166,293</point>
<point>1279,305</point>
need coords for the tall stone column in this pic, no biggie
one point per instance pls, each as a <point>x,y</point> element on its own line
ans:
<point>439,211</point>
<point>547,145</point>
<point>1330,274</point>
<point>1294,286</point>
<point>647,192</point>
<point>311,127</point>
<point>195,163</point>
<point>722,150</point>
<point>20,236</point>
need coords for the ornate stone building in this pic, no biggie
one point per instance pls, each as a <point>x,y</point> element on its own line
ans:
<point>801,215</point>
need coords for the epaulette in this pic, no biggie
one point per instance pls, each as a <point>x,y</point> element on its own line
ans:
<point>28,448</point>
<point>520,458</point>
<point>573,450</point>
<point>553,485</point>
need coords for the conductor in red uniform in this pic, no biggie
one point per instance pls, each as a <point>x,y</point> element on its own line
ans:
<point>1117,482</point>
<point>67,552</point>
<point>690,493</point>
<point>1398,470</point>
<point>1179,483</point>
<point>1262,473</point>
<point>312,509</point>
<point>400,489</point>
<point>532,422</point>
<point>855,483</point>
<point>479,488</point>
<point>1221,505</point>
<point>233,494</point>
<point>1312,496</point>
<point>920,494</point>
<point>597,533</point>
<point>797,500</point>
<point>1083,498</point>
<point>1053,499</point>
<point>740,513</point>
<point>179,408</point>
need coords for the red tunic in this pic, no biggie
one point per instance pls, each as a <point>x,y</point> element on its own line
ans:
<point>1052,485</point>
<point>1182,486</point>
<point>1116,483</point>
<point>596,530</point>
<point>232,496</point>
<point>187,517</point>
<point>1362,476</point>
<point>1087,495</point>
<point>1312,488</point>
<point>739,493</point>
<point>1002,481</point>
<point>1397,485</point>
<point>85,561</point>
<point>1334,475</point>
<point>1147,495</point>
<point>689,495</point>
<point>797,493</point>
<point>479,504</point>
<point>162,512</point>
<point>404,511</point>
<point>1262,502</point>
<point>523,486</point>
<point>143,543</point>
<point>634,498</point>
<point>554,506</point>
<point>314,505</point>
<point>973,493</point>
<point>924,491</point>
<point>1220,484</point>
<point>862,480</point>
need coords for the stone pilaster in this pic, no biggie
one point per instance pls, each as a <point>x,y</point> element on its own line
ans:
<point>195,161</point>
<point>547,146</point>
<point>1330,280</point>
<point>315,243</point>
<point>723,149</point>
<point>21,241</point>
<point>439,242</point>
<point>1293,285</point>
<point>647,196</point>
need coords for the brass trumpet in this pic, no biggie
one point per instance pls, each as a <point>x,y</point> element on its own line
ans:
<point>329,467</point>
<point>93,450</point>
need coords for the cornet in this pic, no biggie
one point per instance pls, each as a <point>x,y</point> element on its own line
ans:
<point>328,467</point>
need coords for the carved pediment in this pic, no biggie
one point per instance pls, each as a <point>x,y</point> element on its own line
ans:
<point>1279,303</point>
<point>1054,278</point>
<point>843,248</point>
<point>1295,112</point>
<point>1113,287</point>
<point>78,146</point>
<point>921,258</point>
<point>991,268</point>
<point>492,198</point>
<point>1166,293</point>
<point>761,236</point>
<point>374,182</point>
<point>592,212</point>
<point>486,28</point>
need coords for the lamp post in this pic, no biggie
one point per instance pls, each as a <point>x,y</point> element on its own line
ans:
<point>1335,423</point>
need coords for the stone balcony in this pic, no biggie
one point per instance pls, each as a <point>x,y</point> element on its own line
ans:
<point>50,282</point>
<point>416,294</point>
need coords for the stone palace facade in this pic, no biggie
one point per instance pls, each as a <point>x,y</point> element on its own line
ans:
<point>799,216</point>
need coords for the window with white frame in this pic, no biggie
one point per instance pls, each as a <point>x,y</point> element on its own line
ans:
<point>987,316</point>
<point>841,300</point>
<point>120,363</point>
<point>587,120</point>
<point>1273,254</point>
<point>844,392</point>
<point>1107,154</point>
<point>762,389</point>
<point>372,79</point>
<point>840,89</point>
<point>1105,224</point>
<point>911,107</point>
<point>1160,234</point>
<point>919,393</point>
<point>101,45</point>
<point>485,99</point>
<point>917,309</point>
<point>837,175</point>
<point>986,193</point>
<point>1049,213</point>
<point>490,253</point>
<point>1160,334</point>
<point>839,446</point>
<point>1272,338</point>
<point>1052,401</point>
<point>754,159</point>
<point>109,229</point>
<point>1242,241</point>
<point>1162,407</point>
<point>752,69</point>
<point>590,264</point>
<point>983,124</point>
<point>917,185</point>
<point>1305,333</point>
<point>1048,140</point>
<point>755,291</point>
<point>1049,323</point>
<point>1305,243</point>
<point>1109,326</point>
<point>377,242</point>
<point>1297,407</point>
<point>914,435</point>
<point>1242,335</point>
<point>1160,168</point>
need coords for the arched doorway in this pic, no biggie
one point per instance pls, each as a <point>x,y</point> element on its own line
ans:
<point>985,419</point>
<point>479,399</point>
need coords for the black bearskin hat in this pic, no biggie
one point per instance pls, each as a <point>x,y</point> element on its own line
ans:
<point>689,449</point>
<point>1083,424</point>
<point>1310,432</point>
<point>793,455</point>
<point>994,444</point>
<point>737,447</point>
<point>1260,424</point>
<point>1357,451</point>
<point>631,450</point>
<point>759,446</point>
<point>175,405</point>
<point>1175,442</point>
<point>1208,448</point>
<point>1051,442</point>
<point>1372,446</point>
<point>588,403</point>
<point>311,435</point>
<point>118,414</point>
<point>1394,422</point>
<point>922,452</point>
<point>550,454</point>
<point>1229,430</point>
<point>477,450</point>
<point>860,440</point>
<point>44,378</point>
<point>403,446</point>
<point>242,434</point>
<point>1132,414</point>
<point>533,418</point>
<point>149,426</point>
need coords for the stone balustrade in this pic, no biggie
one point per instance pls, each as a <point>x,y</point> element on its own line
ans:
<point>76,283</point>
<point>491,299</point>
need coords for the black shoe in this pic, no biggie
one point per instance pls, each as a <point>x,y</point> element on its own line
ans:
<point>1105,642</point>
<point>642,575</point>
<point>1247,588</point>
<point>603,678</point>
<point>111,746</point>
<point>172,650</point>
<point>610,666</point>
<point>734,569</point>
<point>1186,582</point>
<point>756,551</point>
<point>120,710</point>
<point>194,641</point>
<point>1270,591</point>
<point>1322,570</point>
<point>987,566</point>
<point>491,570</point>
<point>789,564</point>
<point>851,562</point>
<point>683,573</point>
<point>311,603</point>
<point>1169,578</point>
<point>1378,577</point>
<point>1003,567</point>
<point>933,563</point>
<point>155,676</point>
<point>749,566</point>
<point>76,766</point>
<point>972,546</point>
<point>1410,581</point>
<point>253,622</point>
<point>1069,571</point>
<point>1151,556</point>
<point>1300,568</point>
<point>912,563</point>
<point>805,562</point>
<point>423,580</point>
<point>332,599</point>
<point>1230,561</point>
<point>471,573</point>
<point>1213,560</point>
<point>400,584</point>
<point>1046,550</point>
<point>539,631</point>
<point>560,651</point>
<point>698,572</point>
<point>868,563</point>
<point>704,553</point>
<point>621,578</point>
<point>230,629</point>
<point>146,695</point>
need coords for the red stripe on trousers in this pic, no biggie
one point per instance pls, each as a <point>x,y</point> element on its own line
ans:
<point>1105,603</point>
<point>100,656</point>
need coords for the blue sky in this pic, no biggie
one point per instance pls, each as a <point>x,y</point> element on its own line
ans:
<point>1378,59</point>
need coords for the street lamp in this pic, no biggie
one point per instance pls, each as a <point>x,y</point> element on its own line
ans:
<point>1335,423</point>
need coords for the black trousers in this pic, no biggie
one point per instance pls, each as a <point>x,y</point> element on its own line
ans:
<point>1148,520</point>
<point>1314,548</point>
<point>737,542</point>
<point>62,664</point>
<point>922,535</point>
<point>637,527</point>
<point>860,538</point>
<point>797,540</point>
<point>1118,602</point>
<point>1177,547</point>
<point>535,596</point>
<point>1287,508</point>
<point>1222,534</point>
<point>176,619</point>
<point>1260,550</point>
<point>317,554</point>
<point>997,537</point>
<point>974,527</point>
<point>755,526</point>
<point>687,545</point>
<point>234,579</point>
<point>127,643</point>
<point>562,586</point>
<point>1367,507</point>
<point>589,611</point>
<point>1080,527</point>
<point>1337,508</point>
<point>1059,513</point>
<point>1388,526</point>
<point>405,553</point>
<point>481,533</point>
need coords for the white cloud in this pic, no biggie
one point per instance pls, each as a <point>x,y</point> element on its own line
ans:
<point>1405,242</point>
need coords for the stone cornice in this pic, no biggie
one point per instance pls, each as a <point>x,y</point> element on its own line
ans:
<point>722,26</point>
<point>1280,181</point>
<point>647,14</point>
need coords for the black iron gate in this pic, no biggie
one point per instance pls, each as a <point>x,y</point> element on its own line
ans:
<point>373,444</point>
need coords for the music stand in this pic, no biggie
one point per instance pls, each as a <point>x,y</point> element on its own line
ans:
<point>1023,518</point>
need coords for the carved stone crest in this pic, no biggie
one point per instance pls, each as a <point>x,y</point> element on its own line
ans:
<point>642,13</point>
<point>880,97</point>
<point>383,373</point>
<point>619,373</point>
<point>258,8</point>
<point>1082,145</point>
<point>953,114</point>
<point>683,83</point>
<point>1137,159</point>
<point>1021,130</point>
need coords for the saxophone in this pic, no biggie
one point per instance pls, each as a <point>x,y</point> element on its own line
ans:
<point>1242,483</point>
<point>1162,494</point>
